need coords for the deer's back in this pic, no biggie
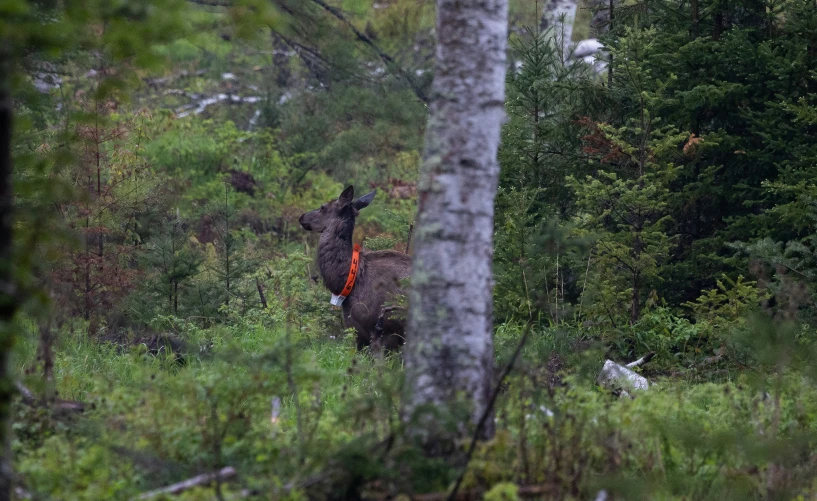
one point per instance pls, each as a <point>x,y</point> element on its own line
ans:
<point>388,263</point>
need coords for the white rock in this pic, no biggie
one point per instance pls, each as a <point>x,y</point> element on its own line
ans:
<point>615,375</point>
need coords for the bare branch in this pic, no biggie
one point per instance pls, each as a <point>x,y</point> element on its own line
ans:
<point>211,3</point>
<point>28,396</point>
<point>641,361</point>
<point>387,59</point>
<point>225,473</point>
<point>261,293</point>
<point>362,37</point>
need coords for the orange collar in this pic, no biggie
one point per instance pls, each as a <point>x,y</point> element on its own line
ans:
<point>350,280</point>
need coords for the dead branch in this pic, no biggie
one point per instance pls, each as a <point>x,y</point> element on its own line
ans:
<point>226,473</point>
<point>387,59</point>
<point>211,3</point>
<point>160,81</point>
<point>25,393</point>
<point>67,406</point>
<point>261,293</point>
<point>203,102</point>
<point>641,361</point>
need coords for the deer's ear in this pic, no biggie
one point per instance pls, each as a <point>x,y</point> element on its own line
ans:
<point>365,200</point>
<point>347,196</point>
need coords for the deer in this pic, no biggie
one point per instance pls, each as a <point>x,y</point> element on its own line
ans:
<point>364,283</point>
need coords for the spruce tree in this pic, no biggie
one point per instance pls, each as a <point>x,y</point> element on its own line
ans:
<point>174,259</point>
<point>541,144</point>
<point>625,203</point>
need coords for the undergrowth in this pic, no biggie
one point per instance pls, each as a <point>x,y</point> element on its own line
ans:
<point>298,413</point>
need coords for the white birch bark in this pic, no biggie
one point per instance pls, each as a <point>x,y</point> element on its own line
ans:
<point>449,350</point>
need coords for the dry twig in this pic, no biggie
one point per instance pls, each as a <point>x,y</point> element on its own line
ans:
<point>223,474</point>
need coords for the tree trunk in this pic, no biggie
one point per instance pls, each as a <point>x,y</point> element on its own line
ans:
<point>717,25</point>
<point>261,293</point>
<point>8,300</point>
<point>610,62</point>
<point>694,9</point>
<point>449,353</point>
<point>45,355</point>
<point>635,307</point>
<point>87,291</point>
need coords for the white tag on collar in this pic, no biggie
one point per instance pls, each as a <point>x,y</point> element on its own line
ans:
<point>337,300</point>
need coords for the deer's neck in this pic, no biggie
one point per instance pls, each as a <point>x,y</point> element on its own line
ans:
<point>335,255</point>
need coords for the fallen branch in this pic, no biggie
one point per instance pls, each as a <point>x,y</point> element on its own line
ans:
<point>25,393</point>
<point>163,80</point>
<point>31,400</point>
<point>223,474</point>
<point>204,103</point>
<point>641,361</point>
<point>69,406</point>
<point>211,3</point>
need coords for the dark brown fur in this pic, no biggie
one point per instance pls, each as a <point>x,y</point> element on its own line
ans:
<point>379,272</point>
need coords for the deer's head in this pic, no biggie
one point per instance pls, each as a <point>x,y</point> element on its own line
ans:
<point>334,212</point>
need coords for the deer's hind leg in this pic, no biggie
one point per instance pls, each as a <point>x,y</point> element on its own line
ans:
<point>390,326</point>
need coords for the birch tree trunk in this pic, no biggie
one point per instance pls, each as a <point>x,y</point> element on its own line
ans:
<point>449,352</point>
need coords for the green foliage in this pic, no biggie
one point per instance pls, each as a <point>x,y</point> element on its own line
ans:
<point>626,203</point>
<point>335,407</point>
<point>174,262</point>
<point>502,492</point>
<point>728,304</point>
<point>379,243</point>
<point>539,147</point>
<point>629,211</point>
<point>67,468</point>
